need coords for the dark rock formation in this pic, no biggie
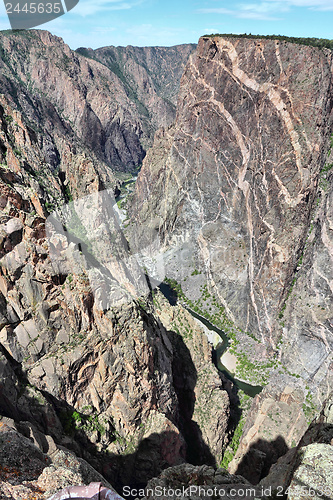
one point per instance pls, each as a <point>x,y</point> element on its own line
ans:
<point>232,190</point>
<point>151,77</point>
<point>112,107</point>
<point>306,469</point>
<point>237,191</point>
<point>274,424</point>
<point>188,481</point>
<point>102,378</point>
<point>33,467</point>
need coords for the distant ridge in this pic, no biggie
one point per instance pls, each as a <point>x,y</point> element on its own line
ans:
<point>314,42</point>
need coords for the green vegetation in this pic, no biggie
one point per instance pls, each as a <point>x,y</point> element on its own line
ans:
<point>195,272</point>
<point>68,194</point>
<point>253,370</point>
<point>217,318</point>
<point>313,42</point>
<point>22,33</point>
<point>72,421</point>
<point>121,203</point>
<point>128,445</point>
<point>49,206</point>
<point>309,408</point>
<point>17,153</point>
<point>115,67</point>
<point>8,118</point>
<point>230,453</point>
<point>245,404</point>
<point>215,314</point>
<point>256,372</point>
<point>85,53</point>
<point>283,308</point>
<point>65,64</point>
<point>4,56</point>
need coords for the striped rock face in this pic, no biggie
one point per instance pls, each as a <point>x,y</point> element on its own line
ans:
<point>236,178</point>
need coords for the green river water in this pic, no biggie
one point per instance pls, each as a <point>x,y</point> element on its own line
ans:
<point>250,390</point>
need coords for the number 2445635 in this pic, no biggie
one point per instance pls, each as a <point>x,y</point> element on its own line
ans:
<point>34,8</point>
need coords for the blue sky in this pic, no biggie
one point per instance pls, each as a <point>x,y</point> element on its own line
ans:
<point>96,23</point>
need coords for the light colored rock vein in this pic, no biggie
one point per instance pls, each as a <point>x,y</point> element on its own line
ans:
<point>242,183</point>
<point>269,90</point>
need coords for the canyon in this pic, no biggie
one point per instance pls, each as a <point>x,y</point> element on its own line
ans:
<point>106,372</point>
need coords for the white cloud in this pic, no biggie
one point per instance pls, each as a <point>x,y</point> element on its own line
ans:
<point>310,4</point>
<point>242,13</point>
<point>263,7</point>
<point>209,31</point>
<point>267,10</point>
<point>89,7</point>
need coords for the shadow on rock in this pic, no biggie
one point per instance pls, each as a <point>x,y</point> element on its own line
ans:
<point>259,458</point>
<point>184,382</point>
<point>37,414</point>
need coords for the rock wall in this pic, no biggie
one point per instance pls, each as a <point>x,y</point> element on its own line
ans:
<point>113,109</point>
<point>102,378</point>
<point>151,76</point>
<point>306,326</point>
<point>232,187</point>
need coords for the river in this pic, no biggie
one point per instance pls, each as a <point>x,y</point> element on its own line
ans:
<point>250,390</point>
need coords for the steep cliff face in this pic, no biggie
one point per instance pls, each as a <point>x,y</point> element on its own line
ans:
<point>274,424</point>
<point>239,192</point>
<point>106,106</point>
<point>306,326</point>
<point>101,377</point>
<point>33,467</point>
<point>231,190</point>
<point>151,77</point>
<point>304,471</point>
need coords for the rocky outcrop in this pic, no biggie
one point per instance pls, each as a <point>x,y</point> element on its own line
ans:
<point>151,77</point>
<point>231,190</point>
<point>90,356</point>
<point>34,467</point>
<point>106,107</point>
<point>305,469</point>
<point>274,424</point>
<point>306,326</point>
<point>203,403</point>
<point>187,481</point>
<point>109,380</point>
<point>313,477</point>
